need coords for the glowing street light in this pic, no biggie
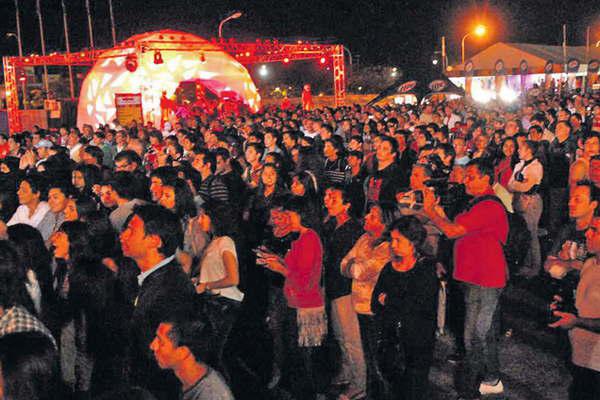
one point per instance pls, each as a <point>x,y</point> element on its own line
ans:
<point>234,15</point>
<point>480,30</point>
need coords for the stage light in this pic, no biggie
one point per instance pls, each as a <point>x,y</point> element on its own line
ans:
<point>131,63</point>
<point>434,61</point>
<point>359,88</point>
<point>508,95</point>
<point>322,60</point>
<point>263,71</point>
<point>286,60</point>
<point>481,95</point>
<point>158,57</point>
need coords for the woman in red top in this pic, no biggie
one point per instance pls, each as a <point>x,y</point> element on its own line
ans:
<point>506,162</point>
<point>305,317</point>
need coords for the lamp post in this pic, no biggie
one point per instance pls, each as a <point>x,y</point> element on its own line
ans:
<point>234,15</point>
<point>478,31</point>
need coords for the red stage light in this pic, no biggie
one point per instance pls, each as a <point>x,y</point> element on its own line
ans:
<point>131,63</point>
<point>158,57</point>
<point>322,60</point>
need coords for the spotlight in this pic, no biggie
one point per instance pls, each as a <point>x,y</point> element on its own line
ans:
<point>131,63</point>
<point>158,57</point>
<point>322,60</point>
<point>286,60</point>
<point>263,71</point>
<point>22,76</point>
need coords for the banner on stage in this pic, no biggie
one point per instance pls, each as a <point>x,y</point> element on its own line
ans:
<point>129,108</point>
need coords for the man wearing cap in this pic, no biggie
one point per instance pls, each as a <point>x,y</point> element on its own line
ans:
<point>42,149</point>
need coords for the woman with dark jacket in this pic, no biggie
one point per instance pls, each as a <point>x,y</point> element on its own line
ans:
<point>36,260</point>
<point>93,334</point>
<point>405,298</point>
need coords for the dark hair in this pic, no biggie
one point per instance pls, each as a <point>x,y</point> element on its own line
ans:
<point>208,157</point>
<point>8,200</point>
<point>258,147</point>
<point>392,143</point>
<point>65,187</point>
<point>484,167</point>
<point>223,153</point>
<point>91,176</point>
<point>196,335</point>
<point>130,156</point>
<point>412,229</point>
<point>388,211</point>
<point>37,183</point>
<point>163,223</point>
<point>124,184</point>
<point>515,157</point>
<point>222,220</point>
<point>298,205</point>
<point>166,174</point>
<point>85,206</point>
<point>33,254</point>
<point>12,277</point>
<point>80,249</point>
<point>30,366</point>
<point>95,152</point>
<point>536,128</point>
<point>346,199</point>
<point>102,234</point>
<point>594,190</point>
<point>185,207</point>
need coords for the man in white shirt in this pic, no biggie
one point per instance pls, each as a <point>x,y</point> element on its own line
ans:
<point>32,209</point>
<point>584,327</point>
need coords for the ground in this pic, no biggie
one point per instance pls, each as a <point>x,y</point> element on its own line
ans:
<point>532,368</point>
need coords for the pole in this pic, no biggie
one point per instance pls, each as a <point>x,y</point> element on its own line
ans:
<point>20,44</point>
<point>564,46</point>
<point>221,26</point>
<point>68,46</point>
<point>587,44</point>
<point>112,23</point>
<point>444,66</point>
<point>462,48</point>
<point>38,8</point>
<point>350,61</point>
<point>89,18</point>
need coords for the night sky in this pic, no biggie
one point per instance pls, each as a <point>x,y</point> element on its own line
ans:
<point>392,32</point>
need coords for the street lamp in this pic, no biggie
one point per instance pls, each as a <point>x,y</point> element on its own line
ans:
<point>234,15</point>
<point>479,30</point>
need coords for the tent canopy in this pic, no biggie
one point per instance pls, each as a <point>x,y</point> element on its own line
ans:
<point>536,55</point>
<point>422,85</point>
<point>185,57</point>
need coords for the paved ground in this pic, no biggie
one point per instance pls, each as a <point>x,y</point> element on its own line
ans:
<point>531,366</point>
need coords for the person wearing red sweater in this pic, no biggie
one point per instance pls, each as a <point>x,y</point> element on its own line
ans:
<point>305,318</point>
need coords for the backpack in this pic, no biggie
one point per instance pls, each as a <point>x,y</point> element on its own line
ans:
<point>518,240</point>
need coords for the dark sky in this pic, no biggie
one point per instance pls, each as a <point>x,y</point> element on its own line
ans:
<point>394,32</point>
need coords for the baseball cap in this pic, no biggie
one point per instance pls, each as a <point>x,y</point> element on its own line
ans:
<point>44,143</point>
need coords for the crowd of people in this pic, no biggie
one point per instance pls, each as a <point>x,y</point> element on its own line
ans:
<point>138,262</point>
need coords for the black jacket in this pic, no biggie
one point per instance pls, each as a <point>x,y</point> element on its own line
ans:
<point>164,294</point>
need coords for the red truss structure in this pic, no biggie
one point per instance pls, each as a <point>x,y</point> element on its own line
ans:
<point>261,51</point>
